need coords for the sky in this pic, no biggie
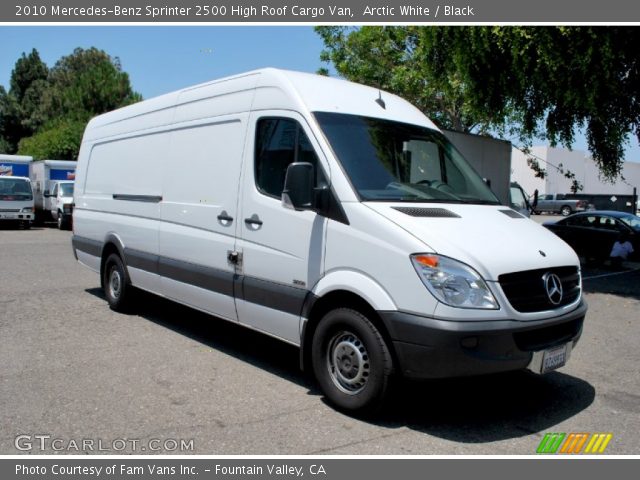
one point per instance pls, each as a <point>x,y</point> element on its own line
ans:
<point>160,59</point>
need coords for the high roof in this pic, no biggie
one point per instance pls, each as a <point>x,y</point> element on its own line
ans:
<point>274,89</point>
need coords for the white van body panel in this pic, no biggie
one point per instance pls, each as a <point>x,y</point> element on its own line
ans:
<point>491,251</point>
<point>304,92</point>
<point>374,248</point>
<point>298,252</point>
<point>92,262</point>
<point>358,283</point>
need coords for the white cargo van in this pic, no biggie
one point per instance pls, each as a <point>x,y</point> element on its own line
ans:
<point>332,216</point>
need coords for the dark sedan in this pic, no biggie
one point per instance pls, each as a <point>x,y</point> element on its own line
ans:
<point>592,234</point>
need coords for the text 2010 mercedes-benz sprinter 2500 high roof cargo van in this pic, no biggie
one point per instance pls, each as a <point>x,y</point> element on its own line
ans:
<point>332,216</point>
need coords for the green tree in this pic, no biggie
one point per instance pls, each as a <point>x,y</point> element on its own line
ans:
<point>59,140</point>
<point>78,87</point>
<point>391,58</point>
<point>533,81</point>
<point>86,83</point>
<point>27,70</point>
<point>19,108</point>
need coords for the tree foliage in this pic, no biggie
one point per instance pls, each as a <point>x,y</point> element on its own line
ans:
<point>533,81</point>
<point>45,111</point>
<point>20,106</point>
<point>87,83</point>
<point>391,58</point>
<point>59,140</point>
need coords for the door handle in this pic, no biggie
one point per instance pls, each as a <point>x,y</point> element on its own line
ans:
<point>224,217</point>
<point>253,220</point>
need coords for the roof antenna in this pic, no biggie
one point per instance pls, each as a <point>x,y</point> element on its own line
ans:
<point>380,101</point>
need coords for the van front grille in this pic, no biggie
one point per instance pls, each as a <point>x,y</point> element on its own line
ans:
<point>9,210</point>
<point>527,292</point>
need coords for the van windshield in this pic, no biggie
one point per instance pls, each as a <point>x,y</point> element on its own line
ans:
<point>393,161</point>
<point>15,189</point>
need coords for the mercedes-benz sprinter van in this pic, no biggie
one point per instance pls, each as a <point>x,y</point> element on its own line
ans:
<point>332,216</point>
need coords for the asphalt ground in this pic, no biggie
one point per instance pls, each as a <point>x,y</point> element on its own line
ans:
<point>73,371</point>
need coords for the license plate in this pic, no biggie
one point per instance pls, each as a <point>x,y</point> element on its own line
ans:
<point>554,358</point>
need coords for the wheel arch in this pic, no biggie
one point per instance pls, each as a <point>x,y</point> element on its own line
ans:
<point>112,244</point>
<point>345,295</point>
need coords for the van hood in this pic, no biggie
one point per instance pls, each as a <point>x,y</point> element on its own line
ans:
<point>493,239</point>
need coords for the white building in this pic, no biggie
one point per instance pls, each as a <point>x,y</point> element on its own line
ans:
<point>578,163</point>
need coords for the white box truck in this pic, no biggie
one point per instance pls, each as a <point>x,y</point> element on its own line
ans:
<point>15,165</point>
<point>45,174</point>
<point>16,196</point>
<point>16,201</point>
<point>332,216</point>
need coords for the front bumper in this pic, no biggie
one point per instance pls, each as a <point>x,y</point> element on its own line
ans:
<point>16,216</point>
<point>431,348</point>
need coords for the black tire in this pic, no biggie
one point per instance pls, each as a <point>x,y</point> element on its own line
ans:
<point>60,221</point>
<point>351,361</point>
<point>116,284</point>
<point>565,211</point>
<point>26,225</point>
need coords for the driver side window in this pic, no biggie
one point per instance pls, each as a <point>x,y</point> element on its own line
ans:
<point>279,142</point>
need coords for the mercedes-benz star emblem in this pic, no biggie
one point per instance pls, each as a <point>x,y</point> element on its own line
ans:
<point>553,285</point>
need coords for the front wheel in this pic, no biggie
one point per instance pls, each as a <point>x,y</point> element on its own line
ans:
<point>351,361</point>
<point>117,287</point>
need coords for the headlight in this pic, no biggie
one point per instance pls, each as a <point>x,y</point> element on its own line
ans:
<point>452,282</point>
<point>27,210</point>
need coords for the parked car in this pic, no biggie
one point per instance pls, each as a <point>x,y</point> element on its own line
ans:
<point>557,203</point>
<point>592,234</point>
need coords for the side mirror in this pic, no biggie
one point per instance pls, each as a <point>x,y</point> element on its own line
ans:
<point>298,186</point>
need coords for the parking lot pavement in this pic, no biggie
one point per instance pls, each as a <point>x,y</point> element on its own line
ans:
<point>74,370</point>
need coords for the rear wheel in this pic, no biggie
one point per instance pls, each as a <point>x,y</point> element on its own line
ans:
<point>565,210</point>
<point>351,361</point>
<point>117,287</point>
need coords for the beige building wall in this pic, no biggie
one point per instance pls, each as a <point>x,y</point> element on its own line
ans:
<point>579,163</point>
